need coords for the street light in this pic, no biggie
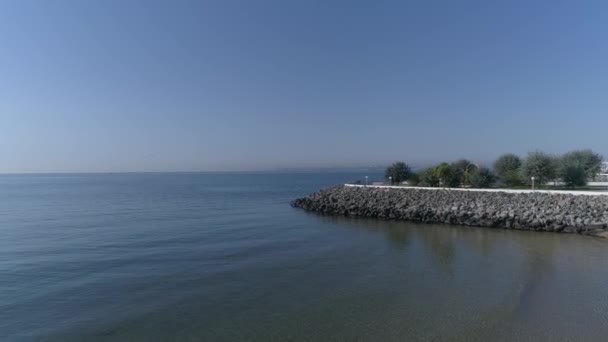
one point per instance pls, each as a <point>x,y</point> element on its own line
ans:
<point>390,180</point>
<point>365,180</point>
<point>532,183</point>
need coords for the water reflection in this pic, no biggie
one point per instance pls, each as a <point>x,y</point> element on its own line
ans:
<point>498,283</point>
<point>441,245</point>
<point>397,233</point>
<point>438,239</point>
<point>441,239</point>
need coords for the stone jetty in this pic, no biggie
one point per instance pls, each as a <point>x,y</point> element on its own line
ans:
<point>537,211</point>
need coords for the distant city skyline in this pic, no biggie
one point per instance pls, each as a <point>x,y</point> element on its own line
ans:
<point>135,86</point>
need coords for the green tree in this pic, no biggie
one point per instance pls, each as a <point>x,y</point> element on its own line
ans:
<point>507,167</point>
<point>447,175</point>
<point>428,178</point>
<point>482,177</point>
<point>577,167</point>
<point>589,160</point>
<point>541,166</point>
<point>463,169</point>
<point>572,173</point>
<point>414,180</point>
<point>398,172</point>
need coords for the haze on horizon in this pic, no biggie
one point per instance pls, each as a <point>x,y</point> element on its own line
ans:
<point>111,86</point>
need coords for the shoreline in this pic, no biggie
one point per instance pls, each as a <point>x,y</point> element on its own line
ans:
<point>582,212</point>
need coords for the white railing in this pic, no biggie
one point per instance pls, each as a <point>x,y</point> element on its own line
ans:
<point>516,191</point>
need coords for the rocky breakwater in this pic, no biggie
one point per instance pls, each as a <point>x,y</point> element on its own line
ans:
<point>525,211</point>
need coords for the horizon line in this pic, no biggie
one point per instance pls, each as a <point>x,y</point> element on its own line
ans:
<point>295,170</point>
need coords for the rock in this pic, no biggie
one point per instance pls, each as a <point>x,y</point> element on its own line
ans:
<point>536,211</point>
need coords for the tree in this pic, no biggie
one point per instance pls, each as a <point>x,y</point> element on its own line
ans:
<point>414,180</point>
<point>398,172</point>
<point>541,166</point>
<point>572,173</point>
<point>446,175</point>
<point>463,169</point>
<point>507,167</point>
<point>576,167</point>
<point>428,177</point>
<point>482,178</point>
<point>589,160</point>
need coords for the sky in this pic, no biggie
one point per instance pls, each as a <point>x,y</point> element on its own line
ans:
<point>123,85</point>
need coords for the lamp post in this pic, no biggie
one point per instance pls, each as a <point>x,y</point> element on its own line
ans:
<point>532,183</point>
<point>390,180</point>
<point>365,180</point>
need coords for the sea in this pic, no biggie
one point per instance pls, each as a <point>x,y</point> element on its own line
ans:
<point>224,257</point>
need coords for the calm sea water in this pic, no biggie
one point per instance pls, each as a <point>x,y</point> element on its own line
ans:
<point>223,257</point>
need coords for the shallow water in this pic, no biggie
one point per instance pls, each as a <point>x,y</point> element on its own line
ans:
<point>223,257</point>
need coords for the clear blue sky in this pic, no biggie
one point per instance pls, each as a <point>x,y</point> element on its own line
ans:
<point>245,85</point>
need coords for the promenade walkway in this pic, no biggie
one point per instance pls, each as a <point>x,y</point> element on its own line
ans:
<point>515,191</point>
